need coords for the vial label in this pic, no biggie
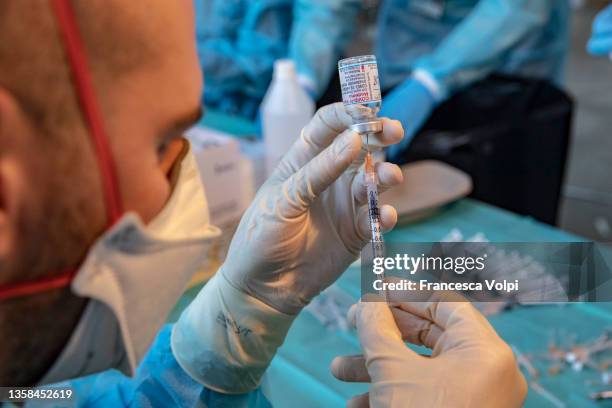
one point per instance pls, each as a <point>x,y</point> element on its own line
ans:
<point>360,83</point>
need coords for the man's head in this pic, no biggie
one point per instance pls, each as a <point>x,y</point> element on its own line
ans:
<point>146,75</point>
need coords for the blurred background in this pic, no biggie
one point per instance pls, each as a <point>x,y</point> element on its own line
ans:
<point>586,205</point>
<point>534,141</point>
<point>586,196</point>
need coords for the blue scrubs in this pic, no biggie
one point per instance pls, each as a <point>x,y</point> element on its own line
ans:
<point>238,42</point>
<point>159,382</point>
<point>455,41</point>
<point>473,38</point>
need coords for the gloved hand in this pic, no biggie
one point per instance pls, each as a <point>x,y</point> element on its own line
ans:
<point>601,37</point>
<point>309,220</point>
<point>411,103</point>
<point>307,224</point>
<point>470,365</point>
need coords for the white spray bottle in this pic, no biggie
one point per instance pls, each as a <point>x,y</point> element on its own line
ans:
<point>285,110</point>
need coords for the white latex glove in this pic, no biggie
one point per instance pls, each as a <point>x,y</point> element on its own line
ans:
<point>470,365</point>
<point>307,224</point>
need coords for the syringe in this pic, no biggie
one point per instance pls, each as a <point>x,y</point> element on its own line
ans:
<point>377,240</point>
<point>371,181</point>
<point>362,99</point>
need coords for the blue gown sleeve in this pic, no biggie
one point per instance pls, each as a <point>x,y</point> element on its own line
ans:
<point>159,382</point>
<point>238,42</point>
<point>478,44</point>
<point>320,33</point>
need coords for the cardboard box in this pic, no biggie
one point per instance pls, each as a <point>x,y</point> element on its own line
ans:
<point>225,173</point>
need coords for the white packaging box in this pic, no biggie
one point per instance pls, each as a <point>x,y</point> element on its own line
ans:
<point>226,174</point>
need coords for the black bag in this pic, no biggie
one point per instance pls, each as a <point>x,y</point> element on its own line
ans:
<point>511,135</point>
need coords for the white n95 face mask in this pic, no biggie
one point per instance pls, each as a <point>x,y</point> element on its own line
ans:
<point>134,275</point>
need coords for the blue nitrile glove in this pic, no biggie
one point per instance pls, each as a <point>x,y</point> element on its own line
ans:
<point>601,37</point>
<point>411,103</point>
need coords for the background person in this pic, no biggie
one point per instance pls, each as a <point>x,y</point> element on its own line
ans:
<point>429,50</point>
<point>238,42</point>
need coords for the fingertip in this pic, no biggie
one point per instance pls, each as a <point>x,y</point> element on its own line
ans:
<point>393,131</point>
<point>398,174</point>
<point>389,174</point>
<point>335,367</point>
<point>388,217</point>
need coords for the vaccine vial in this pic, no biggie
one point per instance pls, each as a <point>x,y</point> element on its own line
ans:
<point>361,94</point>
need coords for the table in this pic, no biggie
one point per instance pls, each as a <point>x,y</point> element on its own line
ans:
<point>299,375</point>
<point>300,371</point>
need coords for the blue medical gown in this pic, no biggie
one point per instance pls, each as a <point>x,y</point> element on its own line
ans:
<point>474,38</point>
<point>320,33</point>
<point>159,382</point>
<point>456,41</point>
<point>238,42</point>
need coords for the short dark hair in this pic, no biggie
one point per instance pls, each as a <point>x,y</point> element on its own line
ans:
<point>33,65</point>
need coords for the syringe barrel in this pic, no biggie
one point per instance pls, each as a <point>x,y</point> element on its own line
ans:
<point>371,182</point>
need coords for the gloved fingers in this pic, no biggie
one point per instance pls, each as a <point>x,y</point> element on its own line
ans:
<point>416,330</point>
<point>350,368</point>
<point>380,338</point>
<point>359,401</point>
<point>302,188</point>
<point>327,123</point>
<point>392,134</point>
<point>388,219</point>
<point>413,328</point>
<point>320,132</point>
<point>388,174</point>
<point>449,311</point>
